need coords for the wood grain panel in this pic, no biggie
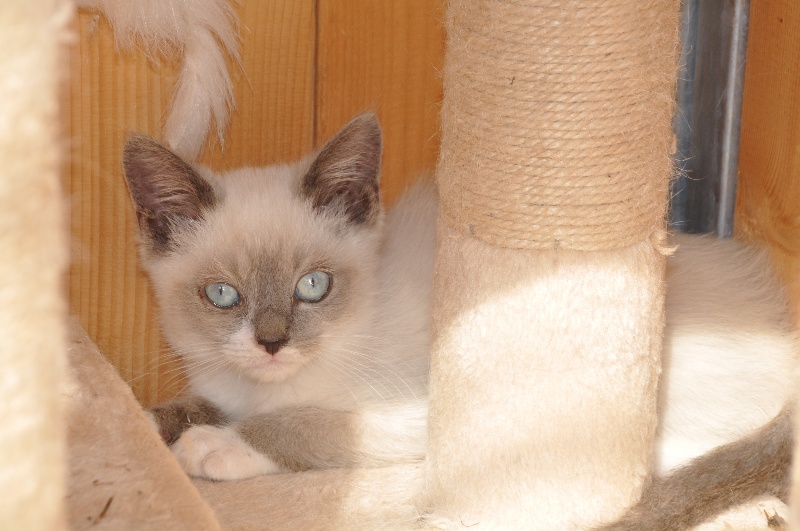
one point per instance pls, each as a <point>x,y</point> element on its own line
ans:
<point>384,56</point>
<point>274,88</point>
<point>307,67</point>
<point>768,203</point>
<point>111,94</point>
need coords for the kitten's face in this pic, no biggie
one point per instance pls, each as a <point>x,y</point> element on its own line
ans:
<point>266,270</point>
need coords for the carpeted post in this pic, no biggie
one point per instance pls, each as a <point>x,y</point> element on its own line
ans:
<point>548,298</point>
<point>32,260</point>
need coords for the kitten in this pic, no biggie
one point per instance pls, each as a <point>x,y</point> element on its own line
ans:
<point>300,312</point>
<point>303,316</point>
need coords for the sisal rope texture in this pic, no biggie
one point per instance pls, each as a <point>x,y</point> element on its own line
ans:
<point>556,122</point>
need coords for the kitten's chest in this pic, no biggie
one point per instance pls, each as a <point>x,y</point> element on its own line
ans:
<point>240,398</point>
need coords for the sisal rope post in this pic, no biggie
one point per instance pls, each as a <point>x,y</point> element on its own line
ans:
<point>33,243</point>
<point>548,296</point>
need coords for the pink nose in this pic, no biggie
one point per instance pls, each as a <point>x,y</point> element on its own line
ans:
<point>273,346</point>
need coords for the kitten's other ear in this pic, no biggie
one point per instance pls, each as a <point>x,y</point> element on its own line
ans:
<point>166,191</point>
<point>345,175</point>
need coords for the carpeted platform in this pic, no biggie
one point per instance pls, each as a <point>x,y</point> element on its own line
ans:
<point>122,477</point>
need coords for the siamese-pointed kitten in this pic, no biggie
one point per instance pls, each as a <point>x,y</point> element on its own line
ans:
<point>300,311</point>
<point>303,314</point>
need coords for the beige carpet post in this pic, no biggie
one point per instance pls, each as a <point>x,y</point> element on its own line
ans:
<point>794,499</point>
<point>32,260</point>
<point>548,298</point>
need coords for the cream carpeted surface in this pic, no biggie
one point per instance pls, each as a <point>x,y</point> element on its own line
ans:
<point>122,477</point>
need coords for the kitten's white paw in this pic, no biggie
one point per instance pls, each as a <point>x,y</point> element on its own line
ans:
<point>220,454</point>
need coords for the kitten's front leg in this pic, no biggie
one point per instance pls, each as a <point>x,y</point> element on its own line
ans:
<point>174,417</point>
<point>199,436</point>
<point>303,438</point>
<point>291,439</point>
<point>219,453</point>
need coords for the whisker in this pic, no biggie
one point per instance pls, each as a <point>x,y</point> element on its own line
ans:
<point>362,377</point>
<point>342,372</point>
<point>384,365</point>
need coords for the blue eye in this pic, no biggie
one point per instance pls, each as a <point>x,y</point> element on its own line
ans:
<point>222,295</point>
<point>312,287</point>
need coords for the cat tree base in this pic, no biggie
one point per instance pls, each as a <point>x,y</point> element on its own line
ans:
<point>122,477</point>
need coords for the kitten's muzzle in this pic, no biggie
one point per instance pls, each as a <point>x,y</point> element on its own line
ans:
<point>273,345</point>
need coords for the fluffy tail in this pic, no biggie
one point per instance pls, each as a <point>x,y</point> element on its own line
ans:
<point>199,31</point>
<point>755,465</point>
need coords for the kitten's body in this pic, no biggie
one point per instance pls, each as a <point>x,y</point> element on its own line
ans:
<point>730,351</point>
<point>360,354</point>
<point>729,367</point>
<point>343,381</point>
<point>754,466</point>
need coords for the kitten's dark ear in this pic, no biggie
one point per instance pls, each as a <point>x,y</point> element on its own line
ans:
<point>166,191</point>
<point>345,175</point>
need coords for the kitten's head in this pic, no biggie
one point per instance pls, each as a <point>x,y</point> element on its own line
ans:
<point>264,270</point>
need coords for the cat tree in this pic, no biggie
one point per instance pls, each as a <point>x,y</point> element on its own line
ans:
<point>548,299</point>
<point>34,254</point>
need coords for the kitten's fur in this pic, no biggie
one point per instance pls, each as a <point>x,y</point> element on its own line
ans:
<point>347,384</point>
<point>355,363</point>
<point>730,354</point>
<point>202,32</point>
<point>728,476</point>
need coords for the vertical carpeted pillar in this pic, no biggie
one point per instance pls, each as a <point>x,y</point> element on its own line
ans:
<point>794,493</point>
<point>32,260</point>
<point>548,298</point>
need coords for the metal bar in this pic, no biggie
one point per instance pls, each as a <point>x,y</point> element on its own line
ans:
<point>734,89</point>
<point>710,170</point>
<point>683,115</point>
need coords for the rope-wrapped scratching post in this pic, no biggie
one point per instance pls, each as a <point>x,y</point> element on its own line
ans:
<point>548,298</point>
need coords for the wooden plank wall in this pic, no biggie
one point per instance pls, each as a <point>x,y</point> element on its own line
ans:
<point>768,201</point>
<point>307,67</point>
